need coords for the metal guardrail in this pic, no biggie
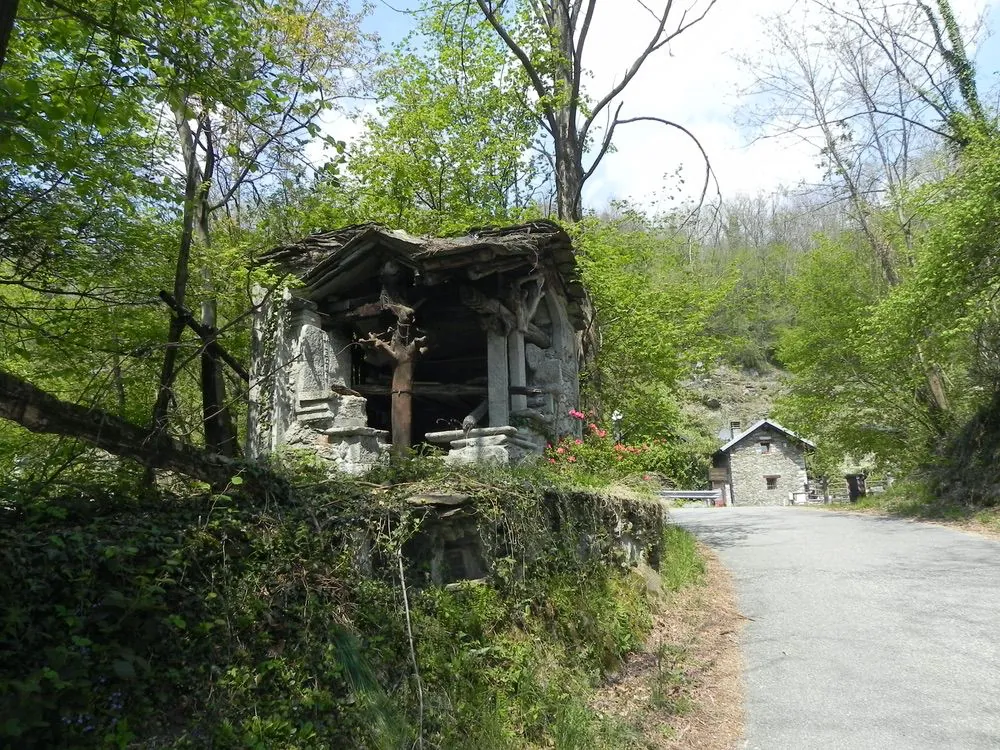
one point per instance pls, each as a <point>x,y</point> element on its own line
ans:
<point>690,494</point>
<point>709,497</point>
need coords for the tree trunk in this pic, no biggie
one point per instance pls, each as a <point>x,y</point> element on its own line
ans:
<point>41,412</point>
<point>403,348</point>
<point>167,372</point>
<point>569,155</point>
<point>8,12</point>
<point>402,406</point>
<point>569,173</point>
<point>220,432</point>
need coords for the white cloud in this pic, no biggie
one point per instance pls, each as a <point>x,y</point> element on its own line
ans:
<point>697,84</point>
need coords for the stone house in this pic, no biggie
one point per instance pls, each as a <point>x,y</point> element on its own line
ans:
<point>763,465</point>
<point>469,343</point>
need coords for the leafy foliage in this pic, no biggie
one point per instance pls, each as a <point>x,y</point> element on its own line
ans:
<point>651,314</point>
<point>98,99</point>
<point>598,459</point>
<point>838,396</point>
<point>862,355</point>
<point>236,621</point>
<point>450,147</point>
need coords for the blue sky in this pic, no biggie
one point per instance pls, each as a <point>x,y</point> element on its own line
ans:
<point>389,24</point>
<point>698,85</point>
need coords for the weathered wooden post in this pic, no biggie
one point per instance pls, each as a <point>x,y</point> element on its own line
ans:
<point>403,348</point>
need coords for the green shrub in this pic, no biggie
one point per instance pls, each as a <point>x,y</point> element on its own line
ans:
<point>597,459</point>
<point>235,622</point>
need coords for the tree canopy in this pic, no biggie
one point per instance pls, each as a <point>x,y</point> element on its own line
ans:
<point>149,153</point>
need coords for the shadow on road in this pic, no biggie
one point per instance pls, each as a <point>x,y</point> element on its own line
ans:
<point>733,532</point>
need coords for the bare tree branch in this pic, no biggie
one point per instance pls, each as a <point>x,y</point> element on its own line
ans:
<point>709,172</point>
<point>658,41</point>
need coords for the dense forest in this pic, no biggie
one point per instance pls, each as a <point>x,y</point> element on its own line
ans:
<point>151,153</point>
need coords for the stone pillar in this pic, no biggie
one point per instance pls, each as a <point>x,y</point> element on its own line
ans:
<point>312,381</point>
<point>565,347</point>
<point>498,378</point>
<point>518,372</point>
<point>274,344</point>
<point>269,359</point>
<point>340,358</point>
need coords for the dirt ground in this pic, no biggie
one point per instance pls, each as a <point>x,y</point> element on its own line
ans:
<point>685,690</point>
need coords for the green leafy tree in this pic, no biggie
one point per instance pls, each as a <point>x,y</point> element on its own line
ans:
<point>103,101</point>
<point>651,315</point>
<point>451,145</point>
<point>842,395</point>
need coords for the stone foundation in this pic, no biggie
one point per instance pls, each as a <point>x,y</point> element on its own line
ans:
<point>355,450</point>
<point>501,445</point>
<point>457,541</point>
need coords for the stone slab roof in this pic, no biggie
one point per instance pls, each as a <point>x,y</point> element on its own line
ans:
<point>318,260</point>
<point>761,423</point>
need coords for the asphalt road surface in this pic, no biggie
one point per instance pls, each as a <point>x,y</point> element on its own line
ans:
<point>865,632</point>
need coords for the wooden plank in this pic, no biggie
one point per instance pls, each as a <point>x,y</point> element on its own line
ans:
<point>436,390</point>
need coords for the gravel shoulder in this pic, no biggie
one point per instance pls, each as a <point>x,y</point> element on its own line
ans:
<point>863,631</point>
<point>684,691</point>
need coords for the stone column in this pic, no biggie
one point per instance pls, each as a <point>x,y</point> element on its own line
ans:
<point>312,382</point>
<point>499,378</point>
<point>565,347</point>
<point>270,355</point>
<point>518,372</point>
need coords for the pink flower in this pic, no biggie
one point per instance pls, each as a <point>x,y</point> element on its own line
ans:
<point>571,459</point>
<point>645,477</point>
<point>578,441</point>
<point>577,414</point>
<point>602,433</point>
<point>552,460</point>
<point>560,449</point>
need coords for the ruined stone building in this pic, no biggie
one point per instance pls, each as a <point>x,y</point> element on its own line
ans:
<point>762,465</point>
<point>469,343</point>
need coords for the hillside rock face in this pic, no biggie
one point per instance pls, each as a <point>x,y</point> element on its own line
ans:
<point>725,394</point>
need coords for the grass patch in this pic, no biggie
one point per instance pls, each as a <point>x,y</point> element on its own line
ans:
<point>670,686</point>
<point>683,689</point>
<point>682,564</point>
<point>913,499</point>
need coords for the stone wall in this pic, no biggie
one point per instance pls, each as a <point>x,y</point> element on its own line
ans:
<point>461,537</point>
<point>297,365</point>
<point>749,468</point>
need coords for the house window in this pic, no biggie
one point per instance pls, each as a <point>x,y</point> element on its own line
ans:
<point>772,482</point>
<point>765,446</point>
<point>734,428</point>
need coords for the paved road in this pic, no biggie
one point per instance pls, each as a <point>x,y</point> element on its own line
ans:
<point>866,632</point>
